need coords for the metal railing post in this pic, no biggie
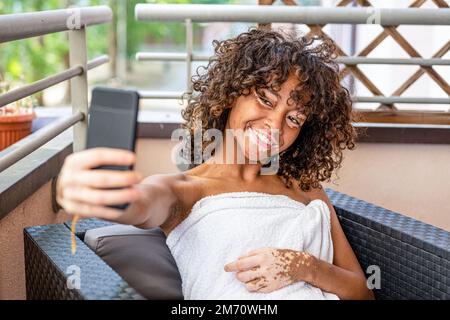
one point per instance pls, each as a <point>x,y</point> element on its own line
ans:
<point>189,48</point>
<point>33,24</point>
<point>79,85</point>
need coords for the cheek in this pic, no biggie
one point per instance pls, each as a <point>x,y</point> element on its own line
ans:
<point>237,118</point>
<point>289,138</point>
<point>242,112</point>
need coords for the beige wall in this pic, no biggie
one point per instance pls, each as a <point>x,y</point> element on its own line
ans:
<point>413,179</point>
<point>154,156</point>
<point>36,210</point>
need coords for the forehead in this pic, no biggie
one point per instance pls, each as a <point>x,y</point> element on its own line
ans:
<point>286,88</point>
<point>290,84</point>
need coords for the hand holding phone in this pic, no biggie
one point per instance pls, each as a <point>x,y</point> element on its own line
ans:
<point>87,193</point>
<point>112,122</point>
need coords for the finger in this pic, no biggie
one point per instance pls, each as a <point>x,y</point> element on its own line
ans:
<point>243,264</point>
<point>105,178</point>
<point>256,284</point>
<point>101,197</point>
<point>246,276</point>
<point>92,158</point>
<point>265,289</point>
<point>85,210</point>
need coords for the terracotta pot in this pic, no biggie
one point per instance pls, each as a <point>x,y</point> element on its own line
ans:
<point>15,124</point>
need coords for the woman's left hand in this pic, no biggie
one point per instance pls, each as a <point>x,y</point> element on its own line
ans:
<point>269,269</point>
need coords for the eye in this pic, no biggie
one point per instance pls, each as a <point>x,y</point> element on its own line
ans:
<point>265,101</point>
<point>294,120</point>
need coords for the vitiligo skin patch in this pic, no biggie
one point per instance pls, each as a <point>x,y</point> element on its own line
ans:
<point>283,267</point>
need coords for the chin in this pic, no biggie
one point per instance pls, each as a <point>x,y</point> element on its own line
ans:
<point>256,157</point>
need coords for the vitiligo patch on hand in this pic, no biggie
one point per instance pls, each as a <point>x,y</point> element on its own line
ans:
<point>72,233</point>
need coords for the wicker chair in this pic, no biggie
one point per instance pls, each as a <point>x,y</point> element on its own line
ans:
<point>414,257</point>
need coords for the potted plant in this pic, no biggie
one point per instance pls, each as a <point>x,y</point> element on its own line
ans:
<point>15,119</point>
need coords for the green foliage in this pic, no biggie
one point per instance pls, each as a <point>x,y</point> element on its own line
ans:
<point>32,59</point>
<point>140,32</point>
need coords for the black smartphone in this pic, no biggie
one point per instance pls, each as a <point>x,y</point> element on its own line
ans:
<point>112,122</point>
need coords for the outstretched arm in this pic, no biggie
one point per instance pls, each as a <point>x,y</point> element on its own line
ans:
<point>89,193</point>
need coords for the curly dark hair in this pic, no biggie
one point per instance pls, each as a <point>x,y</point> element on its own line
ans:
<point>264,59</point>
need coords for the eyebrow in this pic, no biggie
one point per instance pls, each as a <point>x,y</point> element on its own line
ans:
<point>277,97</point>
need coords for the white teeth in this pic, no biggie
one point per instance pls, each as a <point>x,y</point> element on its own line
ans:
<point>262,137</point>
<point>252,136</point>
<point>265,138</point>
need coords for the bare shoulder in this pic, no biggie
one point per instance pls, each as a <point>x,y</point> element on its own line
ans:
<point>313,194</point>
<point>319,193</point>
<point>180,185</point>
<point>183,192</point>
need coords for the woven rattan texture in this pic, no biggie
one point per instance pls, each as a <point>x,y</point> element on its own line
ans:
<point>413,256</point>
<point>49,263</point>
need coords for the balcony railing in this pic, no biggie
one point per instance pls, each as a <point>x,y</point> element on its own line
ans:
<point>75,21</point>
<point>315,18</point>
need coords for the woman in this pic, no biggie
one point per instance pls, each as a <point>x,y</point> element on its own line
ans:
<point>233,231</point>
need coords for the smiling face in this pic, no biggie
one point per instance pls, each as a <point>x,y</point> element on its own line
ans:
<point>270,124</point>
<point>223,99</point>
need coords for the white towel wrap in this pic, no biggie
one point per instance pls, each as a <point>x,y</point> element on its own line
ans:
<point>223,227</point>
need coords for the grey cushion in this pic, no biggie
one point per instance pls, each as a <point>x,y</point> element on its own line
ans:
<point>140,257</point>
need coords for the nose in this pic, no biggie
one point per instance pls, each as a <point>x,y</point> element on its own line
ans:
<point>275,121</point>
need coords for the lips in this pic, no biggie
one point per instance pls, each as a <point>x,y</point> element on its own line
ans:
<point>263,138</point>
